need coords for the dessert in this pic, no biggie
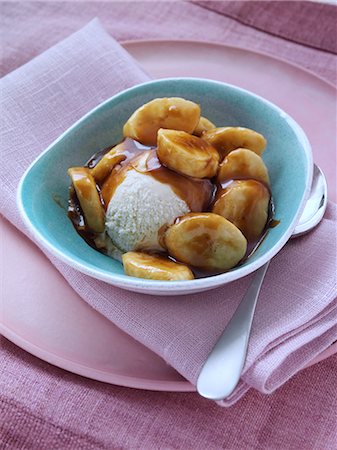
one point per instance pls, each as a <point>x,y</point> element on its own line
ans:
<point>143,265</point>
<point>245,203</point>
<point>178,198</point>
<point>203,125</point>
<point>226,139</point>
<point>186,154</point>
<point>172,113</point>
<point>206,240</point>
<point>243,163</point>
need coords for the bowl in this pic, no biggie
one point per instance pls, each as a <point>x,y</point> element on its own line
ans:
<point>43,190</point>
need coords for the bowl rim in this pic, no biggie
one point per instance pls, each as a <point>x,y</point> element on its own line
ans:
<point>161,286</point>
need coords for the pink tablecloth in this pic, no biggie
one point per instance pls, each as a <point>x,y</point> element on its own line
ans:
<point>41,403</point>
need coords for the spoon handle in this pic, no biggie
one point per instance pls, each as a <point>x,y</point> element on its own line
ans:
<point>222,369</point>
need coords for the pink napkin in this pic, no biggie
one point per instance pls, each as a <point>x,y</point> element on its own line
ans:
<point>296,314</point>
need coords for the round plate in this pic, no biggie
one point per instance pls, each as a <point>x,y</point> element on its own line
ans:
<point>43,315</point>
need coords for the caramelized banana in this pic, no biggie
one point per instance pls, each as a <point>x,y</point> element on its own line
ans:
<point>104,167</point>
<point>88,197</point>
<point>174,113</point>
<point>187,154</point>
<point>203,125</point>
<point>153,267</point>
<point>206,240</point>
<point>243,163</point>
<point>227,139</point>
<point>245,203</point>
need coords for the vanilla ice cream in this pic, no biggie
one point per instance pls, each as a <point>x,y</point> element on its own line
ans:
<point>139,207</point>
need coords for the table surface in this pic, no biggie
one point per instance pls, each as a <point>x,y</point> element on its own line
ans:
<point>123,418</point>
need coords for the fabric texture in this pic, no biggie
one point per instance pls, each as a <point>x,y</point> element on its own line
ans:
<point>285,19</point>
<point>26,27</point>
<point>92,66</point>
<point>48,408</point>
<point>45,407</point>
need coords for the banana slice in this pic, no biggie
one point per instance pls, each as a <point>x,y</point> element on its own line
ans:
<point>203,125</point>
<point>206,240</point>
<point>174,113</point>
<point>104,167</point>
<point>88,197</point>
<point>227,139</point>
<point>243,163</point>
<point>245,203</point>
<point>152,267</point>
<point>187,154</point>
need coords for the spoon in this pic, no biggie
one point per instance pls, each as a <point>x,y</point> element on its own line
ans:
<point>222,369</point>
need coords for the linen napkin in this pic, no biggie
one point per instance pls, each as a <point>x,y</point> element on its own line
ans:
<point>295,317</point>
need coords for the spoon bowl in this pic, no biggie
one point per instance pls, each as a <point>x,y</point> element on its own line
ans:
<point>316,204</point>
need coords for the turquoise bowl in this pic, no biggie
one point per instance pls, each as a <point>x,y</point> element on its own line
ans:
<point>44,185</point>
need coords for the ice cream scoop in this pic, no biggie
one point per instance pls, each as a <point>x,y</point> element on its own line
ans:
<point>143,197</point>
<point>138,209</point>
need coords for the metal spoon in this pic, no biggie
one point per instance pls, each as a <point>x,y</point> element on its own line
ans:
<point>222,369</point>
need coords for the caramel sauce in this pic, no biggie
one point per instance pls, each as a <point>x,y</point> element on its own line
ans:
<point>80,175</point>
<point>161,235</point>
<point>131,150</point>
<point>273,223</point>
<point>252,246</point>
<point>199,194</point>
<point>254,193</point>
<point>262,189</point>
<point>76,215</point>
<point>192,143</point>
<point>226,183</point>
<point>113,181</point>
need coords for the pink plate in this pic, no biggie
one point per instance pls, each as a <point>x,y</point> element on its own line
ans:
<point>43,315</point>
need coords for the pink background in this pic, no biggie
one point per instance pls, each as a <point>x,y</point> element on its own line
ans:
<point>114,417</point>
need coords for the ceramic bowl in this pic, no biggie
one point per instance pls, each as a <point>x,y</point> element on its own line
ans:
<point>44,186</point>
